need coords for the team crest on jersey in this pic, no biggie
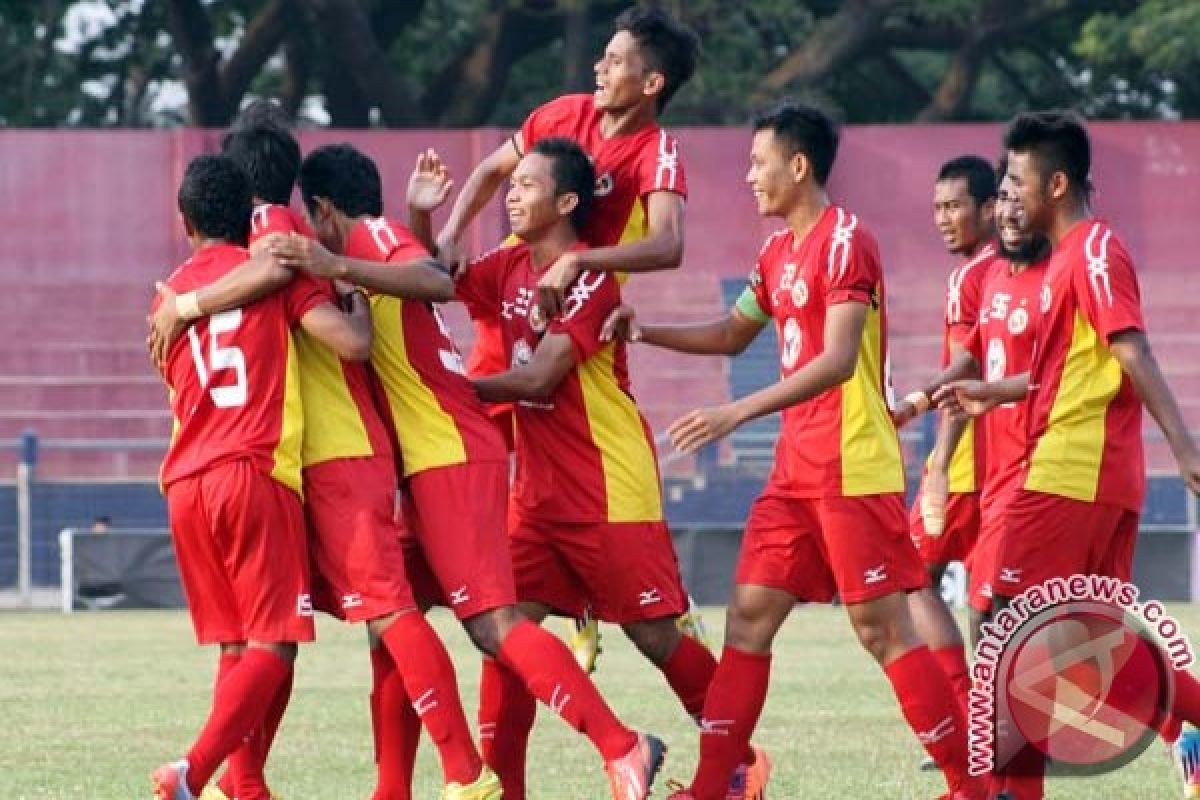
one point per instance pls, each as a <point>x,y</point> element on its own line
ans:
<point>522,353</point>
<point>537,320</point>
<point>800,293</point>
<point>997,360</point>
<point>604,184</point>
<point>1018,321</point>
<point>792,342</point>
<point>1047,297</point>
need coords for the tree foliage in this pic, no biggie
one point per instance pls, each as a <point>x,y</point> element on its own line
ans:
<point>430,63</point>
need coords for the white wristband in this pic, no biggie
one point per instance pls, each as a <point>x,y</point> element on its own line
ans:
<point>187,306</point>
<point>919,401</point>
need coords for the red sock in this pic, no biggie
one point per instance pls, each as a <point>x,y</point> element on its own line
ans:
<point>689,671</point>
<point>953,661</point>
<point>1187,698</point>
<point>735,701</point>
<point>428,675</point>
<point>928,703</point>
<point>506,714</point>
<point>225,663</point>
<point>397,729</point>
<point>550,674</point>
<point>248,762</point>
<point>239,705</point>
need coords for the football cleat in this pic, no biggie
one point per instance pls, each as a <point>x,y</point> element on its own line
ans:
<point>690,623</point>
<point>1187,756</point>
<point>170,782</point>
<point>749,781</point>
<point>631,776</point>
<point>486,787</point>
<point>583,638</point>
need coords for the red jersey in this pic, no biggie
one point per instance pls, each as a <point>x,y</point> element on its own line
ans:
<point>432,407</point>
<point>841,442</point>
<point>233,380</point>
<point>585,453</point>
<point>628,167</point>
<point>963,291</point>
<point>1085,419</point>
<point>1003,343</point>
<point>340,417</point>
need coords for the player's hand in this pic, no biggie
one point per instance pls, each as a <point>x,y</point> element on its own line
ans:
<point>552,288</point>
<point>305,254</point>
<point>165,326</point>
<point>971,398</point>
<point>449,252</point>
<point>621,324</point>
<point>430,182</point>
<point>703,426</point>
<point>1189,468</point>
<point>262,247</point>
<point>935,494</point>
<point>903,414</point>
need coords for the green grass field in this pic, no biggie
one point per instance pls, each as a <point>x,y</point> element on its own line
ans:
<point>90,703</point>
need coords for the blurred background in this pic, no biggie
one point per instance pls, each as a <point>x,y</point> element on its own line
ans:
<point>103,103</point>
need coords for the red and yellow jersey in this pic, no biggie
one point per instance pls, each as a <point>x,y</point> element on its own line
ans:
<point>585,453</point>
<point>842,442</point>
<point>1085,426</point>
<point>432,407</point>
<point>233,380</point>
<point>340,417</point>
<point>1003,342</point>
<point>963,290</point>
<point>629,167</point>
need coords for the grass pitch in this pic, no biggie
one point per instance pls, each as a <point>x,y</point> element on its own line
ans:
<point>90,703</point>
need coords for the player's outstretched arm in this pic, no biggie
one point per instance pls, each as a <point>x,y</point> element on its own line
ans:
<point>347,333</point>
<point>1132,350</point>
<point>962,366</point>
<point>727,336</point>
<point>479,189</point>
<point>422,279</point>
<point>551,361</point>
<point>428,187</point>
<point>973,397</point>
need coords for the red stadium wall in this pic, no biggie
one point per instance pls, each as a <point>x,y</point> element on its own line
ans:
<point>89,223</point>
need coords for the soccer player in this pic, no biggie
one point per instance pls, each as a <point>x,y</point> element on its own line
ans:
<point>232,472</point>
<point>1082,480</point>
<point>964,197</point>
<point>832,517</point>
<point>637,224</point>
<point>454,461</point>
<point>349,486</point>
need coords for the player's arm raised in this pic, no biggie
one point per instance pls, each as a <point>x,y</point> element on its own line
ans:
<point>422,279</point>
<point>477,192</point>
<point>834,366</point>
<point>551,361</point>
<point>1132,350</point>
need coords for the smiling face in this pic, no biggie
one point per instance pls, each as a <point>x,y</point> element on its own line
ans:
<point>623,78</point>
<point>532,204</point>
<point>1032,190</point>
<point>774,174</point>
<point>961,221</point>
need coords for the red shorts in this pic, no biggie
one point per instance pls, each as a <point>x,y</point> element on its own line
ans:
<point>958,537</point>
<point>982,564</point>
<point>1046,536</point>
<point>239,541</point>
<point>354,544</point>
<point>623,571</point>
<point>455,546</point>
<point>813,548</point>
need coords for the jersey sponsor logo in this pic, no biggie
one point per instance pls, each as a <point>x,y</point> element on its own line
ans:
<point>873,575</point>
<point>668,162</point>
<point>792,344</point>
<point>1018,321</point>
<point>997,360</point>
<point>839,245</point>
<point>1095,249</point>
<point>786,282</point>
<point>581,291</point>
<point>304,605</point>
<point>522,353</point>
<point>519,306</point>
<point>800,293</point>
<point>1046,298</point>
<point>649,597</point>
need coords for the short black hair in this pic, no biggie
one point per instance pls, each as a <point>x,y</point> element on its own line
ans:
<point>805,129</point>
<point>667,45</point>
<point>573,172</point>
<point>1058,141</point>
<point>215,198</point>
<point>346,177</point>
<point>262,144</point>
<point>976,171</point>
